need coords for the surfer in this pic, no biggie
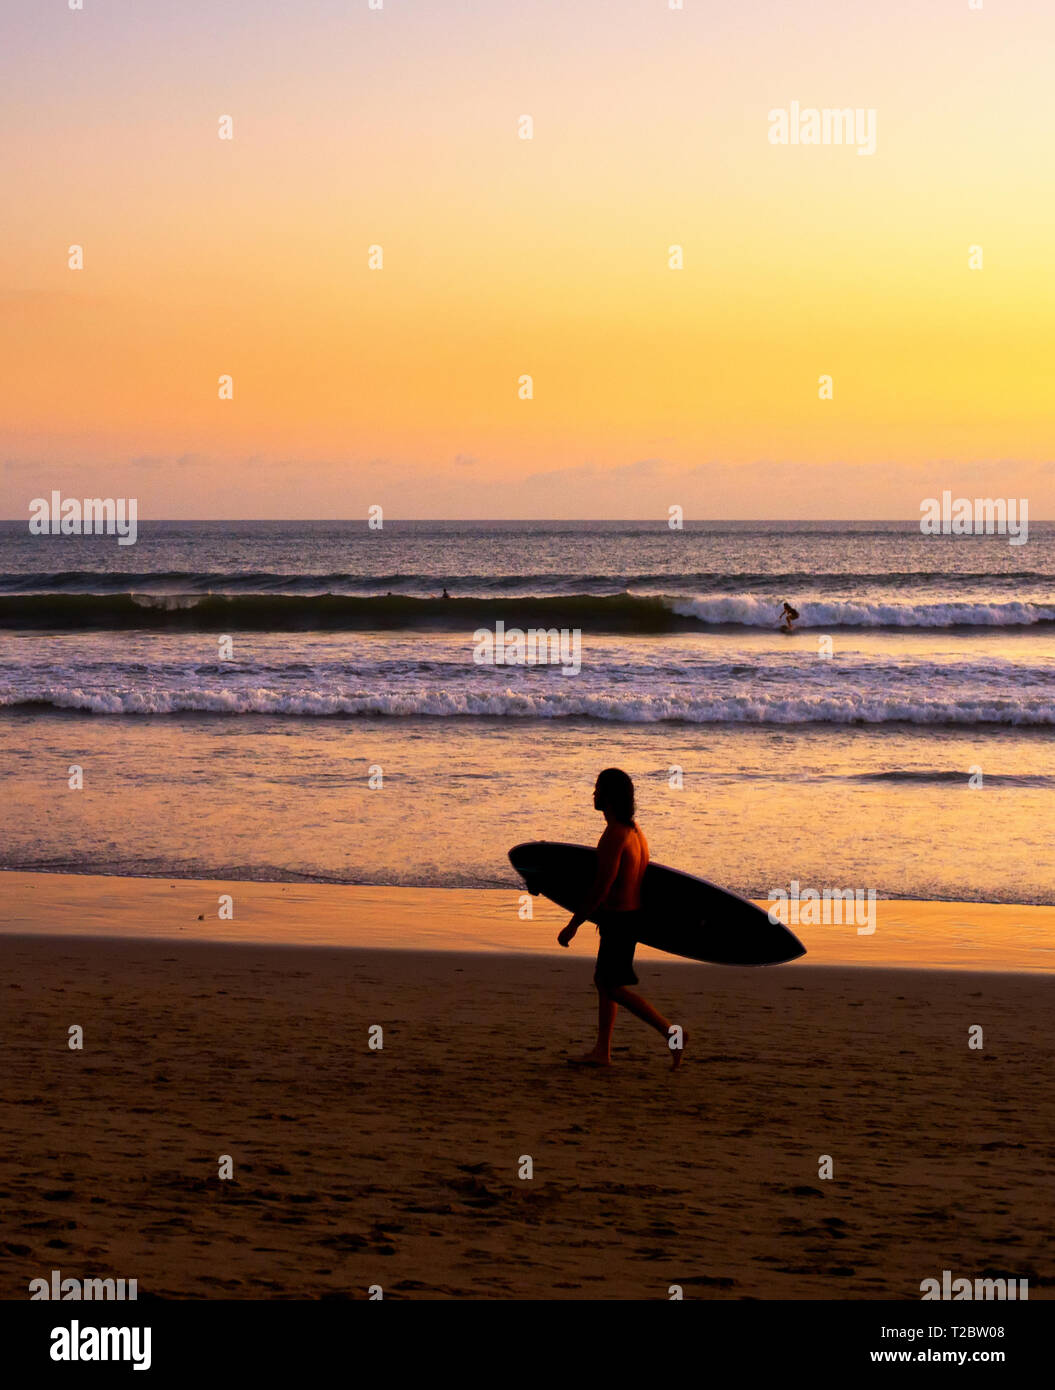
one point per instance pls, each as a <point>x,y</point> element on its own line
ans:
<point>788,617</point>
<point>622,858</point>
<point>445,594</point>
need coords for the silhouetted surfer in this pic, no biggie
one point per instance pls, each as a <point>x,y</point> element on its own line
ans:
<point>445,594</point>
<point>622,858</point>
<point>788,617</point>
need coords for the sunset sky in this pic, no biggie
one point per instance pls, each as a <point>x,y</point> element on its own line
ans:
<point>505,256</point>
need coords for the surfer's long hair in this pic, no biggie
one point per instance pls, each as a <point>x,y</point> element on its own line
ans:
<point>615,791</point>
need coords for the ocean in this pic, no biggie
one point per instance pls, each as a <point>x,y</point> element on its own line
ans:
<point>297,701</point>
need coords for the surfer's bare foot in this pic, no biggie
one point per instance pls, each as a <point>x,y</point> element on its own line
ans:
<point>591,1059</point>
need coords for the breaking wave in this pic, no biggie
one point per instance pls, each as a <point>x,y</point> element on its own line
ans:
<point>613,613</point>
<point>778,709</point>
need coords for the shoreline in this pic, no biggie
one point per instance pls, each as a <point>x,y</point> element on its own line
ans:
<point>936,935</point>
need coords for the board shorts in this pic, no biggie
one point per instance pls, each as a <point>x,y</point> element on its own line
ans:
<point>615,955</point>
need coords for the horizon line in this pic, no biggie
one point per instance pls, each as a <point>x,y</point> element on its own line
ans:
<point>589,520</point>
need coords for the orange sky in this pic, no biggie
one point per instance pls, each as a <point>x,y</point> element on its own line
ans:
<point>505,256</point>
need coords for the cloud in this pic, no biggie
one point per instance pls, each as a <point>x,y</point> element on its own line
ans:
<point>587,472</point>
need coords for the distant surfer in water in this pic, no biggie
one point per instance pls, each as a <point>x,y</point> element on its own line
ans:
<point>615,900</point>
<point>445,594</point>
<point>788,617</point>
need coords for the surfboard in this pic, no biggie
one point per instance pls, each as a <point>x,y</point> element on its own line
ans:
<point>681,914</point>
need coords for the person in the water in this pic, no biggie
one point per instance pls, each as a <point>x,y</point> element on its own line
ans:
<point>788,617</point>
<point>615,902</point>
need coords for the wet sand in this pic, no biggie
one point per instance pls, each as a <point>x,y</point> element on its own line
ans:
<point>946,935</point>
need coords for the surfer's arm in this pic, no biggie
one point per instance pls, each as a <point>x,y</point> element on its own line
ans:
<point>609,852</point>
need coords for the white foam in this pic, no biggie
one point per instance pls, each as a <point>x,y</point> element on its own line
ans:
<point>761,708</point>
<point>749,610</point>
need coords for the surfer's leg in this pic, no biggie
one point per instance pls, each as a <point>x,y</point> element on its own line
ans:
<point>601,1056</point>
<point>643,1010</point>
<point>606,1012</point>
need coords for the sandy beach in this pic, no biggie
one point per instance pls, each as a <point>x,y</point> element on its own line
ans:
<point>354,1167</point>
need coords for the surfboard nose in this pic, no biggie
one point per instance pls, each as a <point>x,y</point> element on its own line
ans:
<point>521,859</point>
